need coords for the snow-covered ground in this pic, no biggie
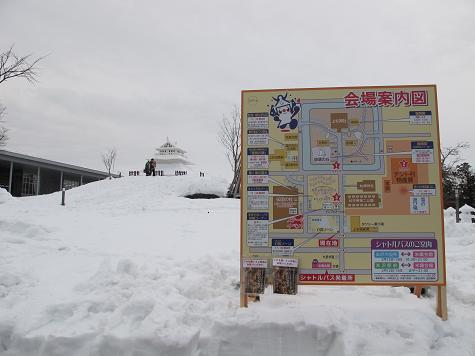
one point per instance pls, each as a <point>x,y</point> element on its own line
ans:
<point>131,267</point>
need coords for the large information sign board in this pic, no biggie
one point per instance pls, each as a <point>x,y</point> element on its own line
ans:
<point>346,181</point>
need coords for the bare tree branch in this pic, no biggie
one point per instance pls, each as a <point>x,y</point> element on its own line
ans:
<point>3,136</point>
<point>3,130</point>
<point>230,137</point>
<point>450,156</point>
<point>13,66</point>
<point>108,158</point>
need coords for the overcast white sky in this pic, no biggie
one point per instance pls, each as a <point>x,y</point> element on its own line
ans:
<point>127,74</point>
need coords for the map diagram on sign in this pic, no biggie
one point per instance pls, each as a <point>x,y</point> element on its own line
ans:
<point>346,181</point>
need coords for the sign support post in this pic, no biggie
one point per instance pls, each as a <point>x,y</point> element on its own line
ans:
<point>442,311</point>
<point>242,288</point>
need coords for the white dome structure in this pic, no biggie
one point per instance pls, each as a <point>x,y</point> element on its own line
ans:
<point>171,160</point>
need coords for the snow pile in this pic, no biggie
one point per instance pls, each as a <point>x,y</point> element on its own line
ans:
<point>4,196</point>
<point>460,256</point>
<point>463,230</point>
<point>131,267</point>
<point>151,188</point>
<point>449,212</point>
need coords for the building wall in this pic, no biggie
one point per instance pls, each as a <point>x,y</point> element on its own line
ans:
<point>4,174</point>
<point>50,181</point>
<point>33,178</point>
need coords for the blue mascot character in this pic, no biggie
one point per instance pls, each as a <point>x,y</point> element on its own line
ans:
<point>284,112</point>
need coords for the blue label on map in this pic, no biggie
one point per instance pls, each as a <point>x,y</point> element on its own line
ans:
<point>423,186</point>
<point>282,242</point>
<point>258,173</point>
<point>257,151</point>
<point>257,216</point>
<point>415,113</point>
<point>422,145</point>
<point>386,254</point>
<point>257,189</point>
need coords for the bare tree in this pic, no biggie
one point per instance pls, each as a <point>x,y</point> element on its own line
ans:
<point>3,130</point>
<point>230,137</point>
<point>13,66</point>
<point>108,158</point>
<point>451,155</point>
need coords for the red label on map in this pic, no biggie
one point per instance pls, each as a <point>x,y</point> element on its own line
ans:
<point>328,243</point>
<point>309,277</point>
<point>324,265</point>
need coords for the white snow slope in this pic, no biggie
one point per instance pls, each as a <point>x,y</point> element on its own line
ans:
<point>131,267</point>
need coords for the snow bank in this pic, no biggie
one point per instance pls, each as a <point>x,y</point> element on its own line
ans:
<point>460,256</point>
<point>4,196</point>
<point>464,230</point>
<point>131,267</point>
<point>144,189</point>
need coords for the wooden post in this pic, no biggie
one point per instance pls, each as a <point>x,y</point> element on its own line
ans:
<point>242,289</point>
<point>442,302</point>
<point>418,291</point>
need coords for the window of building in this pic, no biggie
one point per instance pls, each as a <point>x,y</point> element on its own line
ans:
<point>29,184</point>
<point>71,181</point>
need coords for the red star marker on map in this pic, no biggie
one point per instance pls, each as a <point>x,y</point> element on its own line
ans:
<point>336,197</point>
<point>336,165</point>
<point>404,163</point>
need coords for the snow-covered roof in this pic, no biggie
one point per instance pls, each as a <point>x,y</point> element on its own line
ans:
<point>168,144</point>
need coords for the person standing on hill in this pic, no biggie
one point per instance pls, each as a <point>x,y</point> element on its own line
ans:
<point>147,168</point>
<point>153,166</point>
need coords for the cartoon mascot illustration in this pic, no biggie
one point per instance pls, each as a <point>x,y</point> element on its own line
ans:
<point>284,112</point>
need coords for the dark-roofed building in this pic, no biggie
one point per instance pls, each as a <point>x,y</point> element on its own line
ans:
<point>24,175</point>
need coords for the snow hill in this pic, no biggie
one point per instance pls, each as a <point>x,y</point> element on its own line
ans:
<point>131,267</point>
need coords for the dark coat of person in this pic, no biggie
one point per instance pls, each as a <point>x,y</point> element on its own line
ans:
<point>147,168</point>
